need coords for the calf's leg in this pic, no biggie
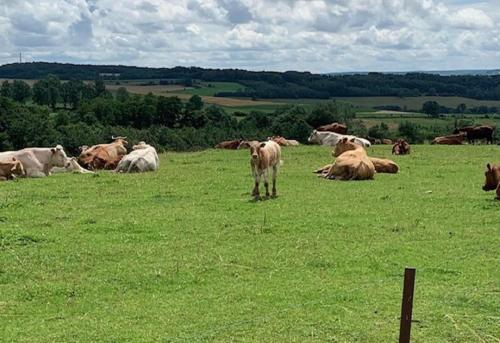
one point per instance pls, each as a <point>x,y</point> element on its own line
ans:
<point>498,192</point>
<point>266,181</point>
<point>275,173</point>
<point>255,192</point>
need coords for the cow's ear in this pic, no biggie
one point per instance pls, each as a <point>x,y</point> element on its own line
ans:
<point>263,144</point>
<point>488,166</point>
<point>353,139</point>
<point>53,150</point>
<point>344,139</point>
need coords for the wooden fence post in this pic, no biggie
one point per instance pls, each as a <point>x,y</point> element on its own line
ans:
<point>407,305</point>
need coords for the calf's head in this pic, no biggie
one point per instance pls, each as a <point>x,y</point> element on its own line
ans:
<point>344,145</point>
<point>492,175</point>
<point>255,150</point>
<point>58,157</point>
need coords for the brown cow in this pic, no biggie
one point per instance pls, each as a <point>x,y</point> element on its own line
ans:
<point>97,156</point>
<point>232,145</point>
<point>387,141</point>
<point>9,170</point>
<point>381,166</point>
<point>450,139</point>
<point>492,181</point>
<point>264,156</point>
<point>477,132</point>
<point>352,162</point>
<point>283,141</point>
<point>247,144</point>
<point>401,147</point>
<point>334,127</point>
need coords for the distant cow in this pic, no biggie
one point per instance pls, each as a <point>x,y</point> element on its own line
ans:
<point>331,138</point>
<point>386,141</point>
<point>98,155</point>
<point>492,181</point>
<point>401,147</point>
<point>283,141</point>
<point>264,157</point>
<point>143,158</point>
<point>456,139</point>
<point>477,132</point>
<point>9,170</point>
<point>232,145</point>
<point>334,127</point>
<point>247,144</point>
<point>352,162</point>
<point>37,162</point>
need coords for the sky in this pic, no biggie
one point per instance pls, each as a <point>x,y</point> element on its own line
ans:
<point>318,36</point>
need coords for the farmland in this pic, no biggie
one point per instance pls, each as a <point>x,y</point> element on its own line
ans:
<point>183,255</point>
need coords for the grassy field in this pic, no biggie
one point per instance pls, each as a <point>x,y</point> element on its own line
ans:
<point>211,88</point>
<point>183,255</point>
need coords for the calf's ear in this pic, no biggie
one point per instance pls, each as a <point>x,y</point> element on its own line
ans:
<point>53,150</point>
<point>488,166</point>
<point>263,144</point>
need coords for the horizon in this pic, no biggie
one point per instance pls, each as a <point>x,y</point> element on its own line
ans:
<point>317,36</point>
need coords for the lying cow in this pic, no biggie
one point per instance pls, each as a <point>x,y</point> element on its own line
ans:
<point>401,147</point>
<point>492,181</point>
<point>352,162</point>
<point>264,156</point>
<point>72,166</point>
<point>331,138</point>
<point>381,166</point>
<point>333,127</point>
<point>450,139</point>
<point>283,141</point>
<point>37,162</point>
<point>247,144</point>
<point>97,156</point>
<point>9,170</point>
<point>142,159</point>
<point>231,145</point>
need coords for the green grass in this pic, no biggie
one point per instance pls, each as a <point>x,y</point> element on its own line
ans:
<point>183,255</point>
<point>211,88</point>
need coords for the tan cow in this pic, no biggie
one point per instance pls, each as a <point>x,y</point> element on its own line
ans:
<point>283,141</point>
<point>93,157</point>
<point>492,181</point>
<point>264,156</point>
<point>456,139</point>
<point>352,162</point>
<point>381,165</point>
<point>9,170</point>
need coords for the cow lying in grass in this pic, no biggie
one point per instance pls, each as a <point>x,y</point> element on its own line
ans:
<point>492,181</point>
<point>72,166</point>
<point>282,141</point>
<point>381,165</point>
<point>37,162</point>
<point>352,162</point>
<point>101,155</point>
<point>401,147</point>
<point>9,170</point>
<point>264,157</point>
<point>450,139</point>
<point>231,145</point>
<point>142,159</point>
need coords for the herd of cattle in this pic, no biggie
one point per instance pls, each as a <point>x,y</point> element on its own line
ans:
<point>351,159</point>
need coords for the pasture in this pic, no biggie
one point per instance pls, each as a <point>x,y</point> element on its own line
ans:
<point>183,255</point>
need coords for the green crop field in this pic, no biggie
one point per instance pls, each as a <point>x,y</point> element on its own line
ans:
<point>184,255</point>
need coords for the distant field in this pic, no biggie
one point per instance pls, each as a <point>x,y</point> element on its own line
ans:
<point>184,256</point>
<point>211,88</point>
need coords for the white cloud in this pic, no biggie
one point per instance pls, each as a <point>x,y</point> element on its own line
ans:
<point>315,35</point>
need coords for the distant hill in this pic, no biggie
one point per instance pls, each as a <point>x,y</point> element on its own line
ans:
<point>290,84</point>
<point>458,72</point>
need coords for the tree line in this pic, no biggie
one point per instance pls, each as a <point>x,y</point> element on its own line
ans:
<point>290,84</point>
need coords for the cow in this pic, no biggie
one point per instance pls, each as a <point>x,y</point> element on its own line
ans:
<point>352,162</point>
<point>331,138</point>
<point>264,156</point>
<point>37,162</point>
<point>9,170</point>
<point>283,141</point>
<point>231,145</point>
<point>247,144</point>
<point>142,159</point>
<point>401,147</point>
<point>72,166</point>
<point>456,139</point>
<point>477,132</point>
<point>333,127</point>
<point>93,157</point>
<point>387,141</point>
<point>381,165</point>
<point>492,181</point>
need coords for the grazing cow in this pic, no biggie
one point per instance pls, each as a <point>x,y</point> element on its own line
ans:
<point>401,147</point>
<point>334,127</point>
<point>232,145</point>
<point>492,181</point>
<point>450,139</point>
<point>352,162</point>
<point>37,162</point>
<point>477,132</point>
<point>283,141</point>
<point>142,159</point>
<point>264,156</point>
<point>381,166</point>
<point>72,166</point>
<point>93,157</point>
<point>331,138</point>
<point>9,170</point>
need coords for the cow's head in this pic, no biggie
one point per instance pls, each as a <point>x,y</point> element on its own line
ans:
<point>314,137</point>
<point>119,140</point>
<point>492,178</point>
<point>255,150</point>
<point>58,157</point>
<point>17,168</point>
<point>344,145</point>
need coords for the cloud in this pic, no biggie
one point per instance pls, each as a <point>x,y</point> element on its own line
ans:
<point>315,35</point>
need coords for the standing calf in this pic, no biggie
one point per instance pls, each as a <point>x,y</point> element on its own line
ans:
<point>492,181</point>
<point>264,156</point>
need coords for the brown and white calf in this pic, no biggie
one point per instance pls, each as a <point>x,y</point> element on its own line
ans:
<point>9,170</point>
<point>264,157</point>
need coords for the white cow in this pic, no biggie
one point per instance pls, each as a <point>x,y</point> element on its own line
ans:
<point>72,166</point>
<point>332,138</point>
<point>142,159</point>
<point>38,162</point>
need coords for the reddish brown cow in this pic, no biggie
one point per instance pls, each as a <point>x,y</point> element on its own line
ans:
<point>334,127</point>
<point>97,156</point>
<point>232,145</point>
<point>492,181</point>
<point>477,132</point>
<point>450,139</point>
<point>387,141</point>
<point>401,147</point>
<point>9,170</point>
